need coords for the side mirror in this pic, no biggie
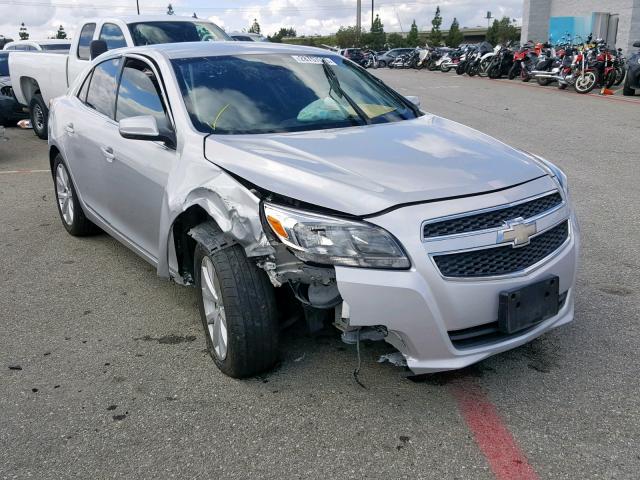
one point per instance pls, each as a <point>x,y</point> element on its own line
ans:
<point>97,48</point>
<point>144,127</point>
<point>636,44</point>
<point>413,99</point>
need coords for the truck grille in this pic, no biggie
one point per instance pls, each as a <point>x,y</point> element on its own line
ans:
<point>502,260</point>
<point>493,218</point>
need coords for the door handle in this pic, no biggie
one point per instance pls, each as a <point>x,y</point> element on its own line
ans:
<point>69,128</point>
<point>108,154</point>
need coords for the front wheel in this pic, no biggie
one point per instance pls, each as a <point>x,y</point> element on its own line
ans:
<point>514,71</point>
<point>39,115</point>
<point>543,82</point>
<point>620,73</point>
<point>238,311</point>
<point>444,68</point>
<point>585,82</point>
<point>494,72</point>
<point>382,64</point>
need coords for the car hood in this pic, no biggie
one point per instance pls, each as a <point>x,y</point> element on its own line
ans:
<point>363,170</point>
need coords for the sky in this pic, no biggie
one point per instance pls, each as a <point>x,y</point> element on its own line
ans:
<point>308,17</point>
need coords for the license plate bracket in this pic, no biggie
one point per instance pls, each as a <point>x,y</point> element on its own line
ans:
<point>524,307</point>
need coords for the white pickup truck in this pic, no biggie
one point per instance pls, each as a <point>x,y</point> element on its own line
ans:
<point>37,77</point>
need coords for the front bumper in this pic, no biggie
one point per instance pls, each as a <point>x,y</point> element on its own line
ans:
<point>419,307</point>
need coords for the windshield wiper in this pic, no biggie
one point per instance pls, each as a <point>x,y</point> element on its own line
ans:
<point>334,84</point>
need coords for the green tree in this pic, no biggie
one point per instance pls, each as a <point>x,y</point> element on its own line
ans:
<point>283,33</point>
<point>435,38</point>
<point>61,34</point>
<point>377,38</point>
<point>395,40</point>
<point>454,37</point>
<point>255,28</point>
<point>413,40</point>
<point>170,10</point>
<point>347,37</point>
<point>24,35</point>
<point>502,31</point>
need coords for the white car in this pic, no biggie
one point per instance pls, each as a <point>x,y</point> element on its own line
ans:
<point>36,80</point>
<point>275,177</point>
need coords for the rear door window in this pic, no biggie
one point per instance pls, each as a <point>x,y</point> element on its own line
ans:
<point>84,42</point>
<point>112,34</point>
<point>101,95</point>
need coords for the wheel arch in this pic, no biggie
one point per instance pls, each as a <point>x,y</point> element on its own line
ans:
<point>29,87</point>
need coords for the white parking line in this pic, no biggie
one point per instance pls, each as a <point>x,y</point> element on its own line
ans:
<point>9,172</point>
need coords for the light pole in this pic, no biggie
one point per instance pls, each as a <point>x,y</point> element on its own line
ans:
<point>372,7</point>
<point>488,17</point>
<point>138,6</point>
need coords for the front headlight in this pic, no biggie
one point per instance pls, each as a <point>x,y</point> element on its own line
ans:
<point>554,171</point>
<point>334,241</point>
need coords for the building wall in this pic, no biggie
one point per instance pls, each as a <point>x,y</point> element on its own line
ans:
<point>578,14</point>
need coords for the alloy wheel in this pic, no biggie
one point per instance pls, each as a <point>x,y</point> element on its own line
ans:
<point>214,308</point>
<point>64,194</point>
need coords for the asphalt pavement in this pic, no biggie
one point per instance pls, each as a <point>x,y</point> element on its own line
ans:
<point>103,372</point>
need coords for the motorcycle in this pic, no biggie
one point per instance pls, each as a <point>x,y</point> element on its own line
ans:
<point>547,68</point>
<point>485,61</point>
<point>501,63</point>
<point>464,60</point>
<point>473,64</point>
<point>370,59</point>
<point>408,60</point>
<point>450,60</point>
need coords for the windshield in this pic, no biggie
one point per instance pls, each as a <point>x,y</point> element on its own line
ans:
<point>4,65</point>
<point>151,33</point>
<point>245,94</point>
<point>57,47</point>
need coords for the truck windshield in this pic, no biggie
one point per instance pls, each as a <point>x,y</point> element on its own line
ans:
<point>4,65</point>
<point>151,33</point>
<point>248,94</point>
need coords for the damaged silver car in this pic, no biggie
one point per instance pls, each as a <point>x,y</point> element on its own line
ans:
<point>274,176</point>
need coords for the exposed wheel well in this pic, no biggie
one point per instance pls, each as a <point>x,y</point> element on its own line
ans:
<point>183,243</point>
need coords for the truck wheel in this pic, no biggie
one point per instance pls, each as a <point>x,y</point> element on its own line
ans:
<point>238,311</point>
<point>39,114</point>
<point>69,208</point>
<point>627,91</point>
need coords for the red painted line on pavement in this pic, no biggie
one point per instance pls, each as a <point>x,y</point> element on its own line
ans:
<point>493,437</point>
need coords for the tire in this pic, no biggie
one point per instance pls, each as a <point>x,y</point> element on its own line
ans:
<point>444,69</point>
<point>585,83</point>
<point>471,70</point>
<point>514,71</point>
<point>543,82</point>
<point>610,79</point>
<point>382,64</point>
<point>39,116</point>
<point>73,218</point>
<point>562,86</point>
<point>620,74</point>
<point>245,307</point>
<point>494,72</point>
<point>627,91</point>
<point>460,69</point>
<point>431,66</point>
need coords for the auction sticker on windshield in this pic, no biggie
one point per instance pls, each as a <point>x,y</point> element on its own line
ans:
<point>313,60</point>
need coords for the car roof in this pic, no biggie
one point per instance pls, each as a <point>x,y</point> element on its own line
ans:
<point>213,49</point>
<point>146,18</point>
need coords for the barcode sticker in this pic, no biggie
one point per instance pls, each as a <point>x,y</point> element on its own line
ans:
<point>312,60</point>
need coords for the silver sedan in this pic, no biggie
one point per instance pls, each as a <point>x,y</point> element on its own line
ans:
<point>286,182</point>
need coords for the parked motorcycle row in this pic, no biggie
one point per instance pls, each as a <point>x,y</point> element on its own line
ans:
<point>582,65</point>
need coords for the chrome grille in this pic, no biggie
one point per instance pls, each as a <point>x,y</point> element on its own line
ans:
<point>492,219</point>
<point>502,260</point>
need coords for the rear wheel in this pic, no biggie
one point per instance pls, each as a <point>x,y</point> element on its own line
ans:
<point>238,311</point>
<point>444,68</point>
<point>627,91</point>
<point>543,82</point>
<point>494,72</point>
<point>39,115</point>
<point>382,64</point>
<point>69,208</point>
<point>620,72</point>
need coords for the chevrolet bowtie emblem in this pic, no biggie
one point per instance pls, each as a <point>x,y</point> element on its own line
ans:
<point>517,232</point>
